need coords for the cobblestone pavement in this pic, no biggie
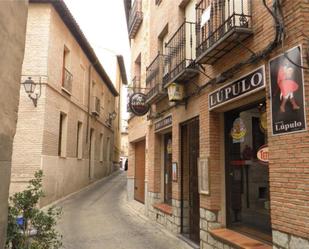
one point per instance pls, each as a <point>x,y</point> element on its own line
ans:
<point>99,217</point>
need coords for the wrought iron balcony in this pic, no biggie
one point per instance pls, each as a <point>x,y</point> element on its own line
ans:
<point>154,80</point>
<point>180,61</point>
<point>67,79</point>
<point>134,87</point>
<point>228,26</point>
<point>135,18</point>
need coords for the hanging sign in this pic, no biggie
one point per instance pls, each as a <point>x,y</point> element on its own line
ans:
<point>262,154</point>
<point>138,104</point>
<point>287,93</point>
<point>244,86</point>
<point>163,123</point>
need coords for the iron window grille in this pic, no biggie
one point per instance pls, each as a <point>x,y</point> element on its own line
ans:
<point>135,18</point>
<point>154,77</point>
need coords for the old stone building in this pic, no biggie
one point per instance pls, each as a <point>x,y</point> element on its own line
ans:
<point>12,45</point>
<point>221,156</point>
<point>66,125</point>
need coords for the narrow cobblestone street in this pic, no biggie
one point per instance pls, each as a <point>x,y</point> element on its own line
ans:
<point>100,218</point>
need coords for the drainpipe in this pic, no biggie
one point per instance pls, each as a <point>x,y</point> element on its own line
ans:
<point>88,116</point>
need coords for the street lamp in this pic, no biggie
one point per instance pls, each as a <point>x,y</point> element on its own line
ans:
<point>111,117</point>
<point>30,86</point>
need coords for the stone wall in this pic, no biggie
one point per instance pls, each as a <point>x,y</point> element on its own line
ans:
<point>13,18</point>
<point>287,241</point>
<point>169,221</point>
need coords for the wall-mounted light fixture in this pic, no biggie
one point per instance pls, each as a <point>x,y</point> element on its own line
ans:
<point>111,117</point>
<point>175,92</point>
<point>30,86</point>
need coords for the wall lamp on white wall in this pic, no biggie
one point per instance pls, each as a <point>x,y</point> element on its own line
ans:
<point>30,86</point>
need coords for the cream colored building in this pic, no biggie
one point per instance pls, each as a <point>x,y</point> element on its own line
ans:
<point>72,131</point>
<point>12,44</point>
<point>121,80</point>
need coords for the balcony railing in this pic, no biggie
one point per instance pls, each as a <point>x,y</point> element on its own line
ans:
<point>67,79</point>
<point>154,79</point>
<point>229,24</point>
<point>135,18</point>
<point>181,55</point>
<point>134,87</point>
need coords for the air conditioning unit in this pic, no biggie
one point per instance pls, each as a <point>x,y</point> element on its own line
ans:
<point>96,106</point>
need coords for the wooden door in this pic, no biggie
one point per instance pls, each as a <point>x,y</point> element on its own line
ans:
<point>139,183</point>
<point>194,198</point>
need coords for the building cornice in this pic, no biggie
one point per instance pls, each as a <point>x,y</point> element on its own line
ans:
<point>122,69</point>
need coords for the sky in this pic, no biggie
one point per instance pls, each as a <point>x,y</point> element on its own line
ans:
<point>104,24</point>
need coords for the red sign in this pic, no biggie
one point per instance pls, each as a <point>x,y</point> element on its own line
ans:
<point>262,154</point>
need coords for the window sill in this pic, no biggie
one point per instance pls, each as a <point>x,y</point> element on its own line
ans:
<point>163,207</point>
<point>238,240</point>
<point>66,91</point>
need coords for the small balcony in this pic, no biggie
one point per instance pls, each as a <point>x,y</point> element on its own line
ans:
<point>180,62</point>
<point>135,18</point>
<point>134,87</point>
<point>67,79</point>
<point>228,26</point>
<point>154,80</point>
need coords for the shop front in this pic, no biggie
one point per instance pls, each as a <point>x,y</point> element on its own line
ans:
<point>246,172</point>
<point>233,169</point>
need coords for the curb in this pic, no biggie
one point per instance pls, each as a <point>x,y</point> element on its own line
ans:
<point>89,186</point>
<point>130,205</point>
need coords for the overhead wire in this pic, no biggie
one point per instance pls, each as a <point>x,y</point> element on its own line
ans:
<point>277,16</point>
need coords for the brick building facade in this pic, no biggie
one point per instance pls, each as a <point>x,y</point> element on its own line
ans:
<point>71,132</point>
<point>227,166</point>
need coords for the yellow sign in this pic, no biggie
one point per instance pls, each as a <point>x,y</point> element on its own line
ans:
<point>238,131</point>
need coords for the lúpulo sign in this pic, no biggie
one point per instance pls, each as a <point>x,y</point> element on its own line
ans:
<point>248,84</point>
<point>138,104</point>
<point>287,93</point>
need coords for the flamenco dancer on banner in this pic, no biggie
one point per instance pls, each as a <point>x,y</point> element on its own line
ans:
<point>287,86</point>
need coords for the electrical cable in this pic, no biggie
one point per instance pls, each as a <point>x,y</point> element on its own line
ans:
<point>254,58</point>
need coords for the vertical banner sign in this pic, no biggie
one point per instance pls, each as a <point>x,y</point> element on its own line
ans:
<point>287,93</point>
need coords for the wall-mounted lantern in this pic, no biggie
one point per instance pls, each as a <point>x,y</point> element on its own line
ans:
<point>30,86</point>
<point>111,116</point>
<point>175,92</point>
